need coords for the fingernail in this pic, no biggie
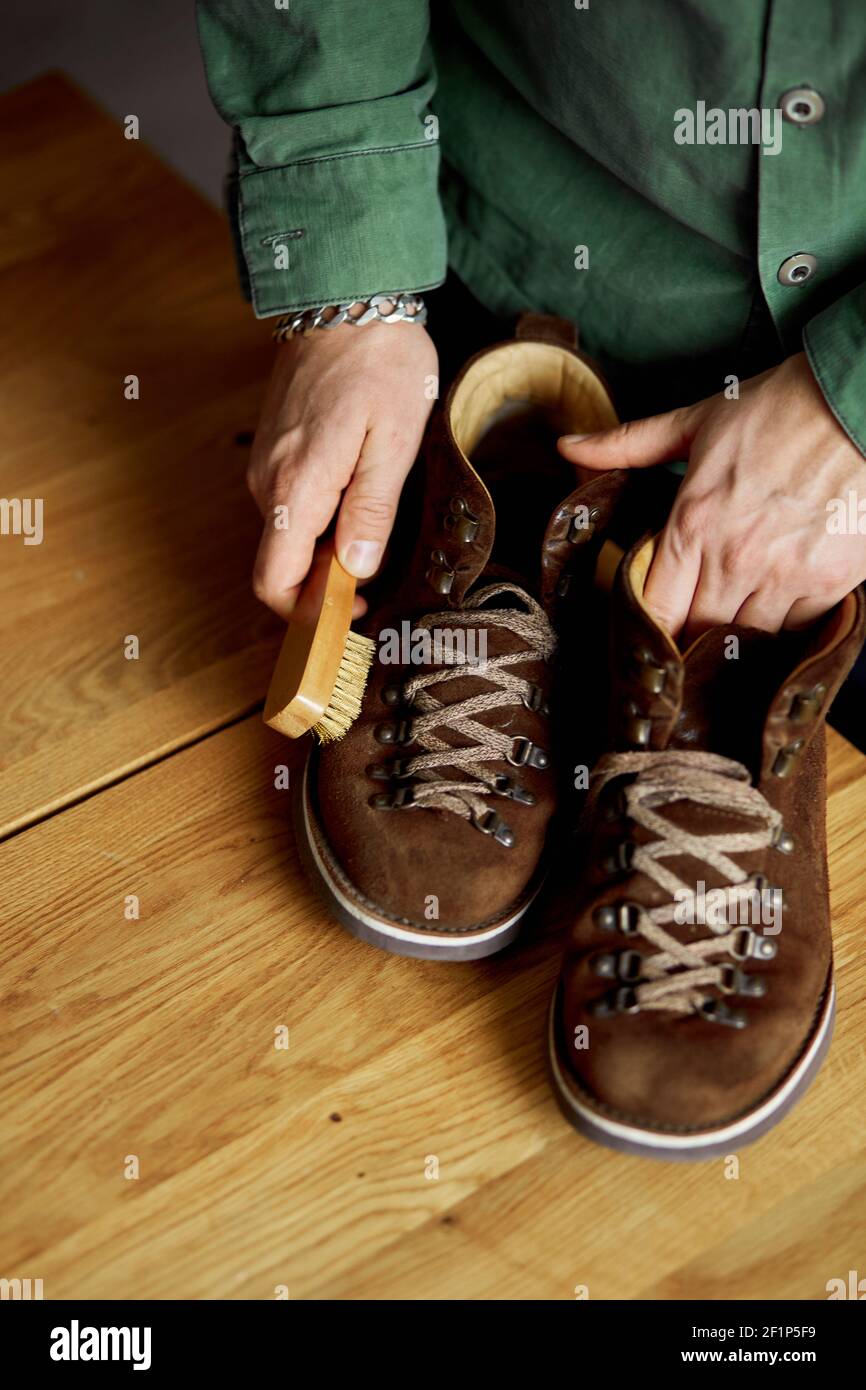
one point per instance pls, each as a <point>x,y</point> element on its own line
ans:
<point>362,558</point>
<point>573,438</point>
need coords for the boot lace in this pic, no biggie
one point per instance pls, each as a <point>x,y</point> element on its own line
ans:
<point>675,977</point>
<point>463,779</point>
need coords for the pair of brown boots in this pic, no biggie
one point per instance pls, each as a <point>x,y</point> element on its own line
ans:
<point>696,997</point>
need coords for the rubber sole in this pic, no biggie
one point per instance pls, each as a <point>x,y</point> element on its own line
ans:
<point>711,1143</point>
<point>376,929</point>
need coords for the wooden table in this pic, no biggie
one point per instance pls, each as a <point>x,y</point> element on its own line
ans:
<point>148,1045</point>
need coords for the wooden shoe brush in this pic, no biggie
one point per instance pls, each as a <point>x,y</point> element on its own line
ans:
<point>321,672</point>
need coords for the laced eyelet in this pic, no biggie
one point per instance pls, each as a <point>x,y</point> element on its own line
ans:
<point>506,786</point>
<point>736,981</point>
<point>617,1001</point>
<point>622,965</point>
<point>717,1011</point>
<point>398,731</point>
<point>393,801</point>
<point>622,917</point>
<point>533,698</point>
<point>617,806</point>
<point>490,823</point>
<point>525,753</point>
<point>748,945</point>
<point>605,965</point>
<point>619,860</point>
<point>384,772</point>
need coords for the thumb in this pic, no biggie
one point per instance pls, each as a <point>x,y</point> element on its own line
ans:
<point>635,444</point>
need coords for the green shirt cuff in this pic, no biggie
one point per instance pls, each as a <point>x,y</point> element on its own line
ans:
<point>341,227</point>
<point>835,343</point>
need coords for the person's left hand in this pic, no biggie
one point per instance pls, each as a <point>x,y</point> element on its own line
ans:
<point>747,539</point>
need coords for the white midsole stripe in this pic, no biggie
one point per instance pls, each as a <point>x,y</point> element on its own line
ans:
<point>385,928</point>
<point>652,1138</point>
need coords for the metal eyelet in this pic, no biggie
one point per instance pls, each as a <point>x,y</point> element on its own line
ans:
<point>385,772</point>
<point>626,966</point>
<point>622,917</point>
<point>492,824</point>
<point>460,521</point>
<point>782,840</point>
<point>506,786</point>
<point>577,532</point>
<point>650,676</point>
<point>807,704</point>
<point>396,731</point>
<point>747,945</point>
<point>787,757</point>
<point>393,801</point>
<point>736,981</point>
<point>626,1001</point>
<point>392,695</point>
<point>441,574</point>
<point>638,728</point>
<point>619,861</point>
<point>618,1001</point>
<point>525,753</point>
<point>605,965</point>
<point>717,1011</point>
<point>617,805</point>
<point>533,698</point>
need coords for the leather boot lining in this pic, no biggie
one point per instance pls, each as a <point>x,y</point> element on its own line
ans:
<point>506,414</point>
<point>537,376</point>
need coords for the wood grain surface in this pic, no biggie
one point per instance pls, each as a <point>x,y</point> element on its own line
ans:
<point>307,1166</point>
<point>111,267</point>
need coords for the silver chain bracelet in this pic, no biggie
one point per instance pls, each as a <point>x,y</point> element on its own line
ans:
<point>406,308</point>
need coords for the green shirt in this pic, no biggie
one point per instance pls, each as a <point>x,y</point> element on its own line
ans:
<point>541,150</point>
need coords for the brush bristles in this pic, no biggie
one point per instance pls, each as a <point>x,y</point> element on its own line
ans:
<point>344,705</point>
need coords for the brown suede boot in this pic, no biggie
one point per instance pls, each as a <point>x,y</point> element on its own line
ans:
<point>695,1003</point>
<point>425,826</point>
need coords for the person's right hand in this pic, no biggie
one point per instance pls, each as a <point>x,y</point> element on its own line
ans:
<point>345,409</point>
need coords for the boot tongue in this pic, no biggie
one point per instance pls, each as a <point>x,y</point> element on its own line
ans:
<point>730,675</point>
<point>504,574</point>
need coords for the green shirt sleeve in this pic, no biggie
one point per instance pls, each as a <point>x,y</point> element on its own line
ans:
<point>333,191</point>
<point>835,342</point>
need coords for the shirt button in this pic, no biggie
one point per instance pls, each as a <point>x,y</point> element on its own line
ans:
<point>802,105</point>
<point>796,270</point>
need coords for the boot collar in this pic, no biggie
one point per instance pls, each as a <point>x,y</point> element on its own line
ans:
<point>458,524</point>
<point>649,673</point>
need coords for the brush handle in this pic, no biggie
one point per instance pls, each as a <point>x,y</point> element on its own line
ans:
<point>306,670</point>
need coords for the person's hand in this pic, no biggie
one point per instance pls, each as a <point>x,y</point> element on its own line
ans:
<point>747,539</point>
<point>345,409</point>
